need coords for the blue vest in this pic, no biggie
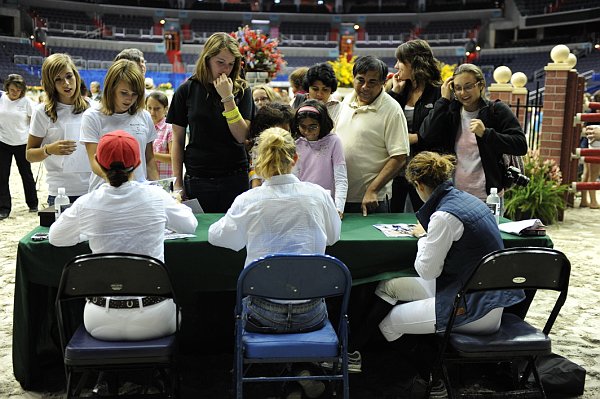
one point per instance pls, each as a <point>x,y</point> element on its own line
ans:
<point>480,237</point>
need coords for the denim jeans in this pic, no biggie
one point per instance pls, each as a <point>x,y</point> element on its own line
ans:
<point>264,316</point>
<point>216,194</point>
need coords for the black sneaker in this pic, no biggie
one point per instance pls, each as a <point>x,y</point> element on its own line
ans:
<point>4,215</point>
<point>33,210</point>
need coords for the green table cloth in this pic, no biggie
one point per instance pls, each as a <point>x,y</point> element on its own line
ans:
<point>204,278</point>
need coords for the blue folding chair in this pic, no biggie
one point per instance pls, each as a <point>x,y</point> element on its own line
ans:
<point>110,274</point>
<point>293,277</point>
<point>516,342</point>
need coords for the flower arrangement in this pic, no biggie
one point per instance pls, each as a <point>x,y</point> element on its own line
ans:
<point>342,67</point>
<point>543,197</point>
<point>165,86</point>
<point>259,52</point>
<point>447,70</point>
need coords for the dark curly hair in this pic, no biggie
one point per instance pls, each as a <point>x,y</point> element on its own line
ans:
<point>270,115</point>
<point>324,73</point>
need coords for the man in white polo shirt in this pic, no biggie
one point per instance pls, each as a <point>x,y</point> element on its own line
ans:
<point>374,135</point>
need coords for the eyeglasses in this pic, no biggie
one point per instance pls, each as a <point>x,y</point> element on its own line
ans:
<point>310,128</point>
<point>467,87</point>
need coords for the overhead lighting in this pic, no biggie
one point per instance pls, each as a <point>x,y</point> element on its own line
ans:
<point>320,2</point>
<point>261,21</point>
<point>478,48</point>
<point>162,21</point>
<point>356,26</point>
<point>277,1</point>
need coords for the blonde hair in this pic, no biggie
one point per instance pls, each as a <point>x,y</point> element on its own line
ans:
<point>271,95</point>
<point>276,151</point>
<point>51,68</point>
<point>128,72</point>
<point>296,77</point>
<point>430,168</point>
<point>477,74</point>
<point>213,46</point>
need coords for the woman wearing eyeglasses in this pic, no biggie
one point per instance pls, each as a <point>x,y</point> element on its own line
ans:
<point>477,130</point>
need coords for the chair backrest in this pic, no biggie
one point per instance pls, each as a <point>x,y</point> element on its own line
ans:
<point>291,277</point>
<point>114,274</point>
<point>522,268</point>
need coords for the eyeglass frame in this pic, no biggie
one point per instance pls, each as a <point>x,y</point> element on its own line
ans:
<point>465,88</point>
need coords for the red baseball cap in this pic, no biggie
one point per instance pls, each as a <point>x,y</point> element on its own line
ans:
<point>118,146</point>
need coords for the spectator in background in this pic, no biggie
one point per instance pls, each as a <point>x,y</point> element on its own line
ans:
<point>263,95</point>
<point>320,153</point>
<point>95,90</point>
<point>271,115</point>
<point>15,114</point>
<point>464,122</point>
<point>296,79</point>
<point>135,55</point>
<point>319,84</point>
<point>216,103</point>
<point>49,140</point>
<point>121,108</point>
<point>157,104</point>
<point>592,171</point>
<point>374,136</point>
<point>416,87</point>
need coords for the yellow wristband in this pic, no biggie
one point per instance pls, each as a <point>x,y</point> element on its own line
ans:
<point>231,114</point>
<point>234,120</point>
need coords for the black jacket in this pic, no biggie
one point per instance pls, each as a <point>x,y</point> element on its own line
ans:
<point>423,106</point>
<point>503,135</point>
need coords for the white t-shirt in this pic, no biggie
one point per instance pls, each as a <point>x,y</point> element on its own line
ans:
<point>95,124</point>
<point>75,184</point>
<point>14,120</point>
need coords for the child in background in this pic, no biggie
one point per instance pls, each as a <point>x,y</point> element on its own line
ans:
<point>121,108</point>
<point>157,104</point>
<point>63,109</point>
<point>270,115</point>
<point>320,154</point>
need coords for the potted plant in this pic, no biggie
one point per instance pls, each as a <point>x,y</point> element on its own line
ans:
<point>543,198</point>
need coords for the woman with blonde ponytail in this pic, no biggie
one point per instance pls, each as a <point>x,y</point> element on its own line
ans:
<point>283,215</point>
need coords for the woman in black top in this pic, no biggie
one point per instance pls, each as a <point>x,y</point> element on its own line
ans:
<point>416,87</point>
<point>216,103</point>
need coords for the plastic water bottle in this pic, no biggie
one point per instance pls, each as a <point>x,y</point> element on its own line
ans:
<point>493,202</point>
<point>60,201</point>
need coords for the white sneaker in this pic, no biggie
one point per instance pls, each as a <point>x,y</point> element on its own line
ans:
<point>312,388</point>
<point>438,390</point>
<point>354,363</point>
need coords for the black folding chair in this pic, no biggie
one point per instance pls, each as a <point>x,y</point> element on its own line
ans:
<point>516,340</point>
<point>111,274</point>
<point>293,277</point>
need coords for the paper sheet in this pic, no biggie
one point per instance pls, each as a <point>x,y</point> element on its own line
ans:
<point>518,227</point>
<point>396,230</point>
<point>78,161</point>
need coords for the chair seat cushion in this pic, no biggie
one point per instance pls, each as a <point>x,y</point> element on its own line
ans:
<point>84,349</point>
<point>514,335</point>
<point>320,343</point>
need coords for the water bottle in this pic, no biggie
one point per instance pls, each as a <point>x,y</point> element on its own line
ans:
<point>493,202</point>
<point>60,201</point>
